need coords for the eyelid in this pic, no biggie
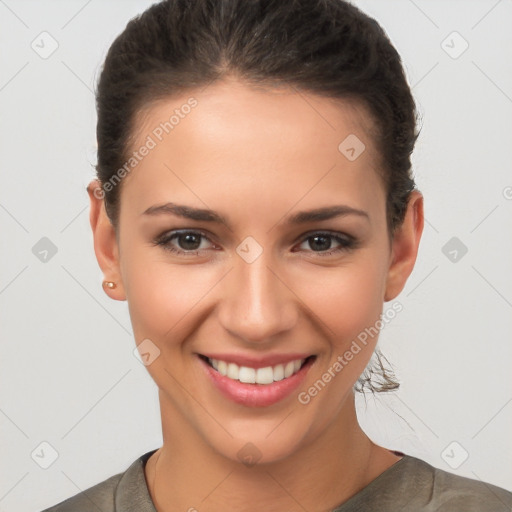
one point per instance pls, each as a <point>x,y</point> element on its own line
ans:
<point>334,234</point>
<point>347,242</point>
<point>167,236</point>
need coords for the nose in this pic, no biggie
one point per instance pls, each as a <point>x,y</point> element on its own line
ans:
<point>257,305</point>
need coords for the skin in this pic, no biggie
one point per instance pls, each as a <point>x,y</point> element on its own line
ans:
<point>256,156</point>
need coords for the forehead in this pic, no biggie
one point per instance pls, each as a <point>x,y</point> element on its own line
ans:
<point>232,138</point>
<point>245,110</point>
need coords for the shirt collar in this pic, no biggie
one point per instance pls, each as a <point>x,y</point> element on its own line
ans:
<point>132,493</point>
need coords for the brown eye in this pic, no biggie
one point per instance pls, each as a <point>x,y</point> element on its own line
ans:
<point>326,244</point>
<point>183,242</point>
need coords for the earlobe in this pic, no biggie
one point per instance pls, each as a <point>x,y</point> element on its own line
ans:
<point>405,247</point>
<point>105,242</point>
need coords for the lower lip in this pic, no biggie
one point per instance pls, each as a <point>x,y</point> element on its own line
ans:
<point>256,395</point>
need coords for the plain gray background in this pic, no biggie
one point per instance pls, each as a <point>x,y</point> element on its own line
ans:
<point>69,376</point>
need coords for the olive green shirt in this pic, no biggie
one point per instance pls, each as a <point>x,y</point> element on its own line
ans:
<point>410,485</point>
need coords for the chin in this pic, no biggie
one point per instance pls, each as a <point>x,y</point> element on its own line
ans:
<point>259,450</point>
<point>271,439</point>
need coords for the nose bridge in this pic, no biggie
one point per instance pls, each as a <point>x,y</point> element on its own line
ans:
<point>256,305</point>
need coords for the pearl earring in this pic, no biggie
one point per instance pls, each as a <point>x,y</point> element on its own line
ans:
<point>109,284</point>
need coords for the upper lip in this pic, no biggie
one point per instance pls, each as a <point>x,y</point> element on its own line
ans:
<point>257,362</point>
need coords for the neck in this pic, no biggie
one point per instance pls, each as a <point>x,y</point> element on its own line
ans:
<point>187,475</point>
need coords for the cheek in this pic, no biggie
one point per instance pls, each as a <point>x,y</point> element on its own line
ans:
<point>346,299</point>
<point>161,296</point>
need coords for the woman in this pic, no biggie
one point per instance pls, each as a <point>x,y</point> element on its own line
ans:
<point>255,207</point>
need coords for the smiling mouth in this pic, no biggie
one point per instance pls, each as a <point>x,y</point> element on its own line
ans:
<point>262,376</point>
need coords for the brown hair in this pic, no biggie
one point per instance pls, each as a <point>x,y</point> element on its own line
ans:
<point>326,47</point>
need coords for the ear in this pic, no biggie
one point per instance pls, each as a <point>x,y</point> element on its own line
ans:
<point>404,246</point>
<point>105,243</point>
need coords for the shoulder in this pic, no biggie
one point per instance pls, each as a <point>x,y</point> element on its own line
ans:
<point>412,484</point>
<point>100,496</point>
<point>472,494</point>
<point>124,492</point>
<point>442,491</point>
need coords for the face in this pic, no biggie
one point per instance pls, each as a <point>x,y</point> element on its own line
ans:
<point>250,240</point>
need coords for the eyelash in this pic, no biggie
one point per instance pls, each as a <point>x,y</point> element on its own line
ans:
<point>346,242</point>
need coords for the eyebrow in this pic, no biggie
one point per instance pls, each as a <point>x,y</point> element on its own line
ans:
<point>200,214</point>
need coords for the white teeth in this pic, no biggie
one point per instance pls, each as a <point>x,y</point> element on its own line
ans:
<point>265,375</point>
<point>233,371</point>
<point>222,367</point>
<point>247,375</point>
<point>279,372</point>
<point>288,369</point>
